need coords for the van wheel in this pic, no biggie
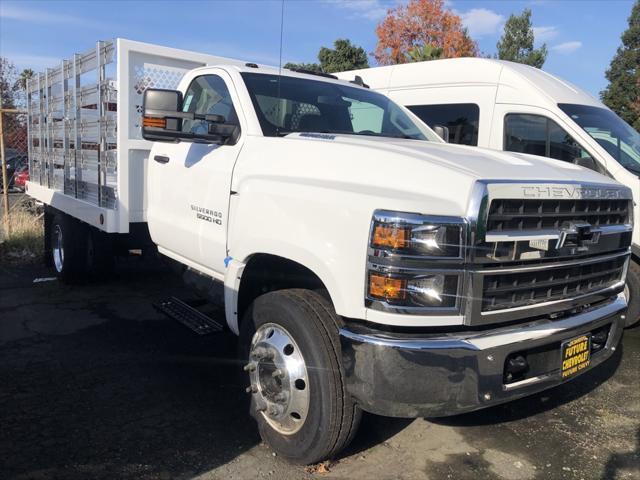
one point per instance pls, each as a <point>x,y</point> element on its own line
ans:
<point>632,292</point>
<point>290,344</point>
<point>68,248</point>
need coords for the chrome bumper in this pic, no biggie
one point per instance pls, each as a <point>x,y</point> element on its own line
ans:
<point>431,375</point>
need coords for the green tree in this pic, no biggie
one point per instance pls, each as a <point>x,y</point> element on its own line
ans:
<point>424,53</point>
<point>26,75</point>
<point>7,83</point>
<point>312,67</point>
<point>622,95</point>
<point>344,56</point>
<point>516,43</point>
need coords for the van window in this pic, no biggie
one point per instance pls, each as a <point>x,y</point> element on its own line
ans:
<point>460,118</point>
<point>619,139</point>
<point>538,135</point>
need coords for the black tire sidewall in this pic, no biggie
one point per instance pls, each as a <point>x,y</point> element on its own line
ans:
<point>74,243</point>
<point>633,282</point>
<point>311,442</point>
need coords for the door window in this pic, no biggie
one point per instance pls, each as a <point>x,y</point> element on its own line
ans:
<point>208,95</point>
<point>461,119</point>
<point>538,135</point>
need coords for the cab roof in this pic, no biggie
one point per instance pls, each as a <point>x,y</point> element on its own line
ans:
<point>248,67</point>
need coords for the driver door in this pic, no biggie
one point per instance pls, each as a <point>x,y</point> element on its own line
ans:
<point>190,182</point>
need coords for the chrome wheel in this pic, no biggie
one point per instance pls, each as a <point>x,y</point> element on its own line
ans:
<point>279,381</point>
<point>57,248</point>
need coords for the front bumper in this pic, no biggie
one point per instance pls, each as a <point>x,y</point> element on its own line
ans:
<point>409,375</point>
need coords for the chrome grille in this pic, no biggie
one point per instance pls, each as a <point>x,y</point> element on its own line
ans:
<point>541,214</point>
<point>529,287</point>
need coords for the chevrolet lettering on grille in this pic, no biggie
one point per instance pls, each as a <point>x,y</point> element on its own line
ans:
<point>534,191</point>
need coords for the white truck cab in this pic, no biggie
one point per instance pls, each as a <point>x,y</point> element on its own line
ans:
<point>514,107</point>
<point>366,264</point>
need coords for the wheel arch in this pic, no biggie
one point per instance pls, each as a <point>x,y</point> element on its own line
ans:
<point>265,272</point>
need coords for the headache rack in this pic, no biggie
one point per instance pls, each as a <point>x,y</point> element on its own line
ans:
<point>86,155</point>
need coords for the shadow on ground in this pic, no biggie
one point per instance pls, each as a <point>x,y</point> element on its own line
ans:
<point>141,398</point>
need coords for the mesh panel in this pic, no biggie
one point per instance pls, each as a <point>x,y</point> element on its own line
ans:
<point>302,109</point>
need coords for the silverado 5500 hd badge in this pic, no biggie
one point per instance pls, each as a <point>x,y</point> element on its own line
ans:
<point>207,215</point>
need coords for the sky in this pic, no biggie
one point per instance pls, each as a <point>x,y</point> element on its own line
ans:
<point>582,36</point>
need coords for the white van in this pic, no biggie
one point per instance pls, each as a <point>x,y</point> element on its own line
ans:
<point>514,107</point>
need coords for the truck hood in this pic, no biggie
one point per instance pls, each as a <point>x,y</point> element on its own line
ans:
<point>379,172</point>
<point>474,162</point>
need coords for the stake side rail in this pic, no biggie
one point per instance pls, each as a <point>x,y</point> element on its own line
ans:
<point>86,155</point>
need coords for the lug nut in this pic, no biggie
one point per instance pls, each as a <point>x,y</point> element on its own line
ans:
<point>262,353</point>
<point>249,367</point>
<point>251,389</point>
<point>277,373</point>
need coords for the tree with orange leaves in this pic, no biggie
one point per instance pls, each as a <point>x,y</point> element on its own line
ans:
<point>418,24</point>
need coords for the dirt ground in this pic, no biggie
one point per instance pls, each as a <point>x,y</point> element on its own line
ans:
<point>94,383</point>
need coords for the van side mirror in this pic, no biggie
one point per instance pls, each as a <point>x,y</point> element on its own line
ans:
<point>442,132</point>
<point>163,118</point>
<point>586,162</point>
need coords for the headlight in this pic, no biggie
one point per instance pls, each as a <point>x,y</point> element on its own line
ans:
<point>424,290</point>
<point>415,263</point>
<point>417,235</point>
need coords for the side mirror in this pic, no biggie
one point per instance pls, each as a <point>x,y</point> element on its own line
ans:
<point>586,162</point>
<point>162,115</point>
<point>163,118</point>
<point>442,132</point>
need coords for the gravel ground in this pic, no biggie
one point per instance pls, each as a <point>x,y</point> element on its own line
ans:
<point>94,383</point>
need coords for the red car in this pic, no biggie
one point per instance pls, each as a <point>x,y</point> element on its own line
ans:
<point>21,178</point>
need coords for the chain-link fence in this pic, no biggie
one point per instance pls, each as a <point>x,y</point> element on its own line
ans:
<point>20,220</point>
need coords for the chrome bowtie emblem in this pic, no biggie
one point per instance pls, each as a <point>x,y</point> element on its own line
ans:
<point>577,236</point>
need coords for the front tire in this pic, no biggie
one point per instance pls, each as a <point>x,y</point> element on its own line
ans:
<point>632,291</point>
<point>290,344</point>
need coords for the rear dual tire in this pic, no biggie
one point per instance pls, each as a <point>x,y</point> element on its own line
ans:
<point>329,421</point>
<point>78,251</point>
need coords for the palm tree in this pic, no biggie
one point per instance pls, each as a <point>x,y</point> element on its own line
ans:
<point>25,76</point>
<point>424,53</point>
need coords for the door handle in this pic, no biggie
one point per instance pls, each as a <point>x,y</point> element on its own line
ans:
<point>161,158</point>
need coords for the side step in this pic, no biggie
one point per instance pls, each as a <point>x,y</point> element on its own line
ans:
<point>188,316</point>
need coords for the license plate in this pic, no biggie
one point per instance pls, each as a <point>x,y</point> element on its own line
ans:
<point>576,355</point>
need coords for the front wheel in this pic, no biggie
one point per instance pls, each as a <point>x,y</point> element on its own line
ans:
<point>289,341</point>
<point>632,292</point>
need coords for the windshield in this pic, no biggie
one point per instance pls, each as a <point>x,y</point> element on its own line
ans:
<point>612,133</point>
<point>304,105</point>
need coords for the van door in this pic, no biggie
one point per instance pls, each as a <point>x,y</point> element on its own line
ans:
<point>190,182</point>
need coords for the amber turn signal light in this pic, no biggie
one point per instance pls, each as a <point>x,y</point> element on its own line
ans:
<point>154,122</point>
<point>388,288</point>
<point>391,236</point>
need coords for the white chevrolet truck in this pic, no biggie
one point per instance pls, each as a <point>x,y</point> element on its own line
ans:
<point>367,265</point>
